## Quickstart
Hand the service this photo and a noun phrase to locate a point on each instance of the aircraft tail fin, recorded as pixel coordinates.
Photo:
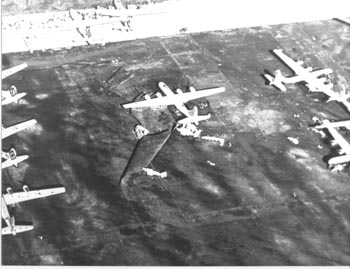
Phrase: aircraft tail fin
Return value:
(12, 153)
(277, 80)
(13, 90)
(194, 119)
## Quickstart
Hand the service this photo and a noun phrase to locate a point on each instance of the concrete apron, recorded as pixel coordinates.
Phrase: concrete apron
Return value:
(172, 17)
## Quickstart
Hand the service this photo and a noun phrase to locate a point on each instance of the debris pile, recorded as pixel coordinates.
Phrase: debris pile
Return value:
(151, 172)
(221, 141)
(140, 131)
(210, 163)
(293, 140)
(189, 129)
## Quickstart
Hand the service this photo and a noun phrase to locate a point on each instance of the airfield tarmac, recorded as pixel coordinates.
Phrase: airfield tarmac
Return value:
(265, 202)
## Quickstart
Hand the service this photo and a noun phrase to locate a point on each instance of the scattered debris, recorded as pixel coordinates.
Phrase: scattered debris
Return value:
(319, 146)
(140, 131)
(229, 145)
(296, 115)
(151, 172)
(210, 163)
(316, 119)
(221, 141)
(254, 211)
(319, 189)
(294, 140)
(189, 129)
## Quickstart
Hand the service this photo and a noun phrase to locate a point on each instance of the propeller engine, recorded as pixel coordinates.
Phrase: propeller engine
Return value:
(25, 188)
(147, 97)
(179, 91)
(192, 89)
(309, 68)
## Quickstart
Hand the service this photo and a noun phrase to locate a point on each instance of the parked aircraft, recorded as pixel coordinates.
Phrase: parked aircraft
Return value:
(337, 163)
(11, 198)
(178, 99)
(11, 96)
(339, 97)
(7, 131)
(315, 80)
(8, 72)
(11, 158)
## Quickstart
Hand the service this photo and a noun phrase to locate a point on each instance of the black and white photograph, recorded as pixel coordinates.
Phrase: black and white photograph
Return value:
(175, 133)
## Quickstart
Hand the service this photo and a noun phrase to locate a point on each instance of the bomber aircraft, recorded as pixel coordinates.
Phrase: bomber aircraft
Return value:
(11, 198)
(315, 80)
(177, 99)
(337, 163)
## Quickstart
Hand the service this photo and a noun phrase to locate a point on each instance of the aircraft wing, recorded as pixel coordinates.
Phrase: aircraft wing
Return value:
(203, 93)
(176, 99)
(16, 229)
(155, 102)
(334, 124)
(311, 77)
(8, 72)
(317, 85)
(16, 128)
(18, 197)
(295, 66)
(343, 144)
(320, 72)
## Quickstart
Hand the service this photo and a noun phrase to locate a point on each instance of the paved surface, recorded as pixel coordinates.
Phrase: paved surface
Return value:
(241, 211)
(49, 24)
